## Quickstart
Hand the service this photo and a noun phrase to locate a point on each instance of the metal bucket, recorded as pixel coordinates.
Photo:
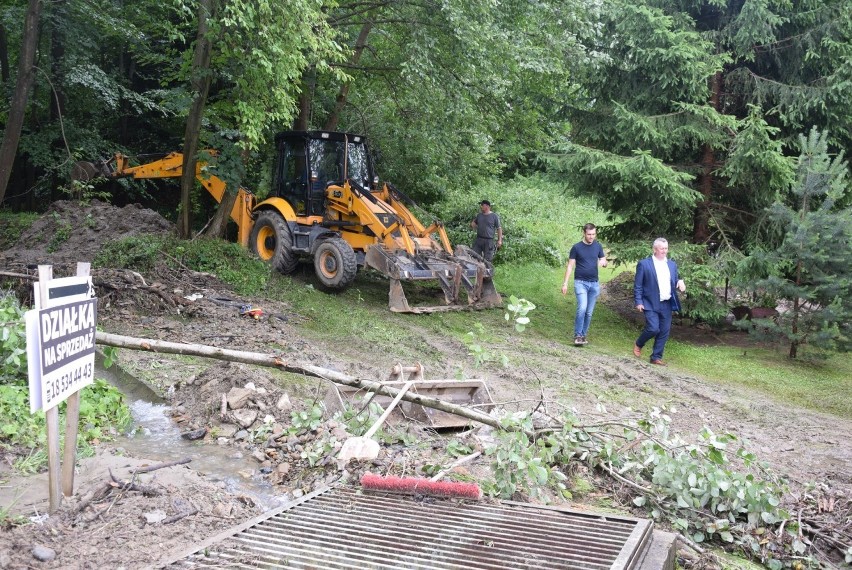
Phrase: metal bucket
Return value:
(468, 393)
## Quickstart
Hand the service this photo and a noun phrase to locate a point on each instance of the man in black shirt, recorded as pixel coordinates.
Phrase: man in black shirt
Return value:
(488, 227)
(586, 256)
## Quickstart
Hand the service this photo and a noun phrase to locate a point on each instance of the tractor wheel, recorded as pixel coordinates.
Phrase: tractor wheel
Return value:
(335, 263)
(270, 239)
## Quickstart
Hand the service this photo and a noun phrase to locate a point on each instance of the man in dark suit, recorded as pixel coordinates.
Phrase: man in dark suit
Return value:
(655, 294)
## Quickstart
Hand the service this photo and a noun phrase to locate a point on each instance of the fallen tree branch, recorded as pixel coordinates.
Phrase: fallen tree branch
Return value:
(131, 486)
(163, 465)
(627, 482)
(19, 275)
(177, 517)
(272, 361)
(459, 461)
(94, 495)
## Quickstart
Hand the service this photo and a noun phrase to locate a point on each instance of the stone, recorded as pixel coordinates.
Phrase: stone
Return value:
(43, 553)
(225, 430)
(194, 434)
(284, 403)
(245, 417)
(282, 469)
(156, 516)
(259, 456)
(238, 397)
(240, 435)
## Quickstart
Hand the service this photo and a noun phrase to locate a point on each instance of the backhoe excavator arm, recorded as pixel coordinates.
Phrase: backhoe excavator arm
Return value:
(171, 166)
(412, 223)
(371, 213)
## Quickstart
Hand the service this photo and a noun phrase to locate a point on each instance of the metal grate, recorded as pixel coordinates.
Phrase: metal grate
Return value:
(346, 529)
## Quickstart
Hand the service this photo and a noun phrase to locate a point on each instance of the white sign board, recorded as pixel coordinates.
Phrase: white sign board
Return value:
(63, 333)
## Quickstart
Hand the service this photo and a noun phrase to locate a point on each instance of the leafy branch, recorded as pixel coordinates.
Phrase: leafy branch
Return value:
(710, 490)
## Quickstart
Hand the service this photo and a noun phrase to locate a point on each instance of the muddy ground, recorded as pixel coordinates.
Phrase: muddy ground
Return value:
(112, 522)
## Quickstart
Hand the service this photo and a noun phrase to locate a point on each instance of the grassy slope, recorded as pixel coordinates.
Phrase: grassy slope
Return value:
(545, 219)
(823, 385)
(810, 382)
(814, 384)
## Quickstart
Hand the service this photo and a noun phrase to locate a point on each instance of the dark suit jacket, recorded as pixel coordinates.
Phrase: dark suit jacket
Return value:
(646, 290)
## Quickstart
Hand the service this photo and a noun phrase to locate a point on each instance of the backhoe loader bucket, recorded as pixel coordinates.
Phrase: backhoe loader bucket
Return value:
(464, 271)
(467, 393)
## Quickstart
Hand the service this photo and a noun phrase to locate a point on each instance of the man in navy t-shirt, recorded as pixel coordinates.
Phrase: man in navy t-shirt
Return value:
(586, 256)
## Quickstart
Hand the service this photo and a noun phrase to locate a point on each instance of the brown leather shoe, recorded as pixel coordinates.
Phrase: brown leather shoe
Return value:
(637, 352)
(658, 362)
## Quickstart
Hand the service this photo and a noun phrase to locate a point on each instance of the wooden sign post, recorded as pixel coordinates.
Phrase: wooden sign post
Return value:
(63, 329)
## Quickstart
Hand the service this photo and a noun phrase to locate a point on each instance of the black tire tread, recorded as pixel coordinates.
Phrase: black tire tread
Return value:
(284, 260)
(346, 259)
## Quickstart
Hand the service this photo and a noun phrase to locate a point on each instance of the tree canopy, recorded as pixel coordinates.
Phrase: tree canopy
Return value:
(680, 118)
(692, 110)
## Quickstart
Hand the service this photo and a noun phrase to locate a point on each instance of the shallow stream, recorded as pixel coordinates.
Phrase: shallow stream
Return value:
(153, 435)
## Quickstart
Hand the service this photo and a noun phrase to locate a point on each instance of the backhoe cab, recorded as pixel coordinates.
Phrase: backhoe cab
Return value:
(326, 204)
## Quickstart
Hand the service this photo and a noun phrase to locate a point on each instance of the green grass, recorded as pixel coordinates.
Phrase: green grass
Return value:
(360, 312)
(12, 225)
(812, 383)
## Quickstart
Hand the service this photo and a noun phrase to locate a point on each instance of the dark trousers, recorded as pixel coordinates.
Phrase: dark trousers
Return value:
(485, 247)
(658, 324)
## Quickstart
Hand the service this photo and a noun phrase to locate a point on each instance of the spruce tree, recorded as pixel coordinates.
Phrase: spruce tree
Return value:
(810, 267)
(693, 109)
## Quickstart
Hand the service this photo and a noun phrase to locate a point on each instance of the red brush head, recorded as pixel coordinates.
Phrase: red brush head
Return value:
(419, 486)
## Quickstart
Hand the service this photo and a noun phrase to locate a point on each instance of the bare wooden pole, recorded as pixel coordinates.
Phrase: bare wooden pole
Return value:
(273, 361)
(45, 274)
(72, 421)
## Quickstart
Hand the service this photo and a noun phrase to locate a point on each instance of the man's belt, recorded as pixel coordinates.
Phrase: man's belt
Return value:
(483, 237)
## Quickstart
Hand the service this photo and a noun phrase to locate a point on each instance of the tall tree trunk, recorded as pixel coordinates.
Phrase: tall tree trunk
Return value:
(701, 227)
(303, 119)
(18, 106)
(219, 223)
(340, 103)
(4, 54)
(200, 82)
(797, 304)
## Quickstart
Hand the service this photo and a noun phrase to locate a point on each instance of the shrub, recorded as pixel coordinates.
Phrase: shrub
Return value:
(13, 341)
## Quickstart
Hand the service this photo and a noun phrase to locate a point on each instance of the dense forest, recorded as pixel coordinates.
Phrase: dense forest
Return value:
(721, 122)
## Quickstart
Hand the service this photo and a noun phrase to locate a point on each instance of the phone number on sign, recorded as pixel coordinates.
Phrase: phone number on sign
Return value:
(57, 387)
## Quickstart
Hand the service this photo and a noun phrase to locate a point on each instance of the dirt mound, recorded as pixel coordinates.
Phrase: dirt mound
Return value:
(71, 231)
(127, 513)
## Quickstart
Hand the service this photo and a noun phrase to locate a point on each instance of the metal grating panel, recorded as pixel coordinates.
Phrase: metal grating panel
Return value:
(346, 529)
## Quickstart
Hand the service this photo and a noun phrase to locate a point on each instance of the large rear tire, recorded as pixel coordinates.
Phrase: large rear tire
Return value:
(335, 263)
(270, 239)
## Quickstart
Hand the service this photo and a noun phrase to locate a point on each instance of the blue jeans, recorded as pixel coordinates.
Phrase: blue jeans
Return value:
(587, 294)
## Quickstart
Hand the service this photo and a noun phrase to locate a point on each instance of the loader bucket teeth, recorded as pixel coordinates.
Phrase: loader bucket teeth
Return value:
(396, 298)
(454, 273)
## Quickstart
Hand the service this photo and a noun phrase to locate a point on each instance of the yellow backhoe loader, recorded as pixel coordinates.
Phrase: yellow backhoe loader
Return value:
(326, 204)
